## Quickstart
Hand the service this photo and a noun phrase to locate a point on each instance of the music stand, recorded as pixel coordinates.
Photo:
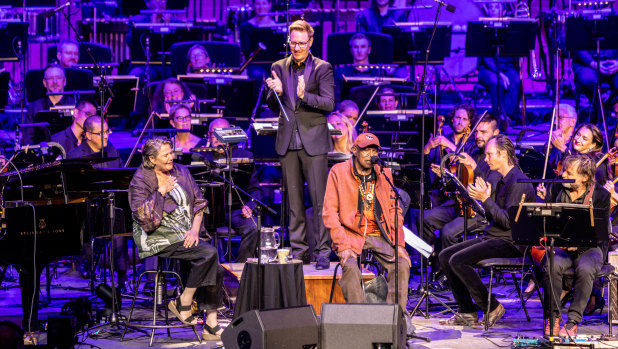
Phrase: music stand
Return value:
(594, 34)
(561, 224)
(413, 39)
(500, 38)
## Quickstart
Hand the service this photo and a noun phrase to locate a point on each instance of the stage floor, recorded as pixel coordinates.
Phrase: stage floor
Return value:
(514, 323)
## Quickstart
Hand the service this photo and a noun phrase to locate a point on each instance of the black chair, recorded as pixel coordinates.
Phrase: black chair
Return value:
(160, 277)
(77, 79)
(221, 54)
(338, 48)
(512, 266)
(101, 53)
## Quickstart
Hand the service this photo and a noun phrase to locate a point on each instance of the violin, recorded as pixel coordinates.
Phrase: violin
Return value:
(465, 174)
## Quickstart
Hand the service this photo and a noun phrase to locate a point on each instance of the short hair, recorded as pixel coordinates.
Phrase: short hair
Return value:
(214, 122)
(467, 107)
(359, 36)
(177, 107)
(586, 166)
(597, 136)
(90, 122)
(345, 105)
(301, 26)
(83, 101)
(504, 143)
(196, 47)
(489, 118)
(159, 97)
(52, 66)
(570, 110)
(151, 148)
(64, 42)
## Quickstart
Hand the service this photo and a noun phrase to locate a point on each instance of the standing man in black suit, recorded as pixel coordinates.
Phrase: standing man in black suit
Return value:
(306, 88)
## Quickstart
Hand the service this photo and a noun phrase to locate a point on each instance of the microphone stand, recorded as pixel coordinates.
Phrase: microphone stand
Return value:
(260, 205)
(103, 84)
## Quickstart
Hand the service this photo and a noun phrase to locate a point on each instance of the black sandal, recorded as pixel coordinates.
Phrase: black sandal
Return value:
(210, 333)
(175, 306)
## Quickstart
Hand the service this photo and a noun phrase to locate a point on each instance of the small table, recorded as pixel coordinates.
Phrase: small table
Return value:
(283, 285)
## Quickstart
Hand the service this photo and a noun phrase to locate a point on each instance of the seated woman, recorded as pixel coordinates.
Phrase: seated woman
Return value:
(170, 90)
(342, 143)
(588, 139)
(180, 118)
(197, 59)
(167, 207)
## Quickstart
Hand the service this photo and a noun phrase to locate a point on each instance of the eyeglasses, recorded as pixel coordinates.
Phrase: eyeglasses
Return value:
(107, 132)
(302, 45)
(197, 55)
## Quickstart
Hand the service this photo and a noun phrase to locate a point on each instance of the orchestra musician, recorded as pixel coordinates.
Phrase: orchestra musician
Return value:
(92, 143)
(160, 186)
(305, 86)
(180, 118)
(586, 261)
(349, 109)
(388, 99)
(587, 139)
(565, 126)
(360, 48)
(72, 136)
(197, 59)
(446, 218)
(460, 119)
(342, 143)
(170, 90)
(378, 15)
(585, 69)
(509, 81)
(54, 80)
(67, 53)
(496, 195)
(359, 212)
(243, 209)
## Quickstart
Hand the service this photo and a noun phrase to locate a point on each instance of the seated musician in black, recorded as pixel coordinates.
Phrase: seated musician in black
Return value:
(378, 15)
(586, 261)
(244, 221)
(180, 118)
(197, 59)
(170, 90)
(360, 48)
(447, 218)
(566, 119)
(67, 53)
(458, 262)
(501, 77)
(92, 143)
(54, 80)
(71, 137)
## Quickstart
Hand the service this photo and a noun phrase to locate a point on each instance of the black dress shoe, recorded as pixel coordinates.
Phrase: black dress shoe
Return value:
(322, 263)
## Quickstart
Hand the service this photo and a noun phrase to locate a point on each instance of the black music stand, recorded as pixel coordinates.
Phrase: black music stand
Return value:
(413, 39)
(561, 224)
(593, 34)
(500, 38)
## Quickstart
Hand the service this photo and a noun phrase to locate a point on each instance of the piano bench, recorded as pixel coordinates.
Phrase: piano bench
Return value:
(158, 300)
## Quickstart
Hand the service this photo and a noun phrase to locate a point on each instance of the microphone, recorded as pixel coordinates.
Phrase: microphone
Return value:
(449, 8)
(52, 12)
(377, 160)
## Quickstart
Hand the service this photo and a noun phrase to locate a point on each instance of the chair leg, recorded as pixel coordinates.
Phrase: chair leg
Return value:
(154, 307)
(164, 288)
(491, 276)
(132, 305)
(521, 297)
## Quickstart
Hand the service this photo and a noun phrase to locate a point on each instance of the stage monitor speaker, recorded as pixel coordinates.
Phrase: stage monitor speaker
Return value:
(362, 326)
(293, 328)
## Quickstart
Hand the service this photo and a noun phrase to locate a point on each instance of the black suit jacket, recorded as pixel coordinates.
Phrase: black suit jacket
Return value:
(309, 113)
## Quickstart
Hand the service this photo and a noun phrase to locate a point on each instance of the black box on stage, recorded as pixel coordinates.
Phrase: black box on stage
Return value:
(294, 328)
(362, 326)
(61, 331)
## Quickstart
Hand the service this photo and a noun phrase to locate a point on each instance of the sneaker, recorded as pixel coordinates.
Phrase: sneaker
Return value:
(569, 330)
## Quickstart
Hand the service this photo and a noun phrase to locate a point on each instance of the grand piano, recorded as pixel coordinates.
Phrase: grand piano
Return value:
(47, 214)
